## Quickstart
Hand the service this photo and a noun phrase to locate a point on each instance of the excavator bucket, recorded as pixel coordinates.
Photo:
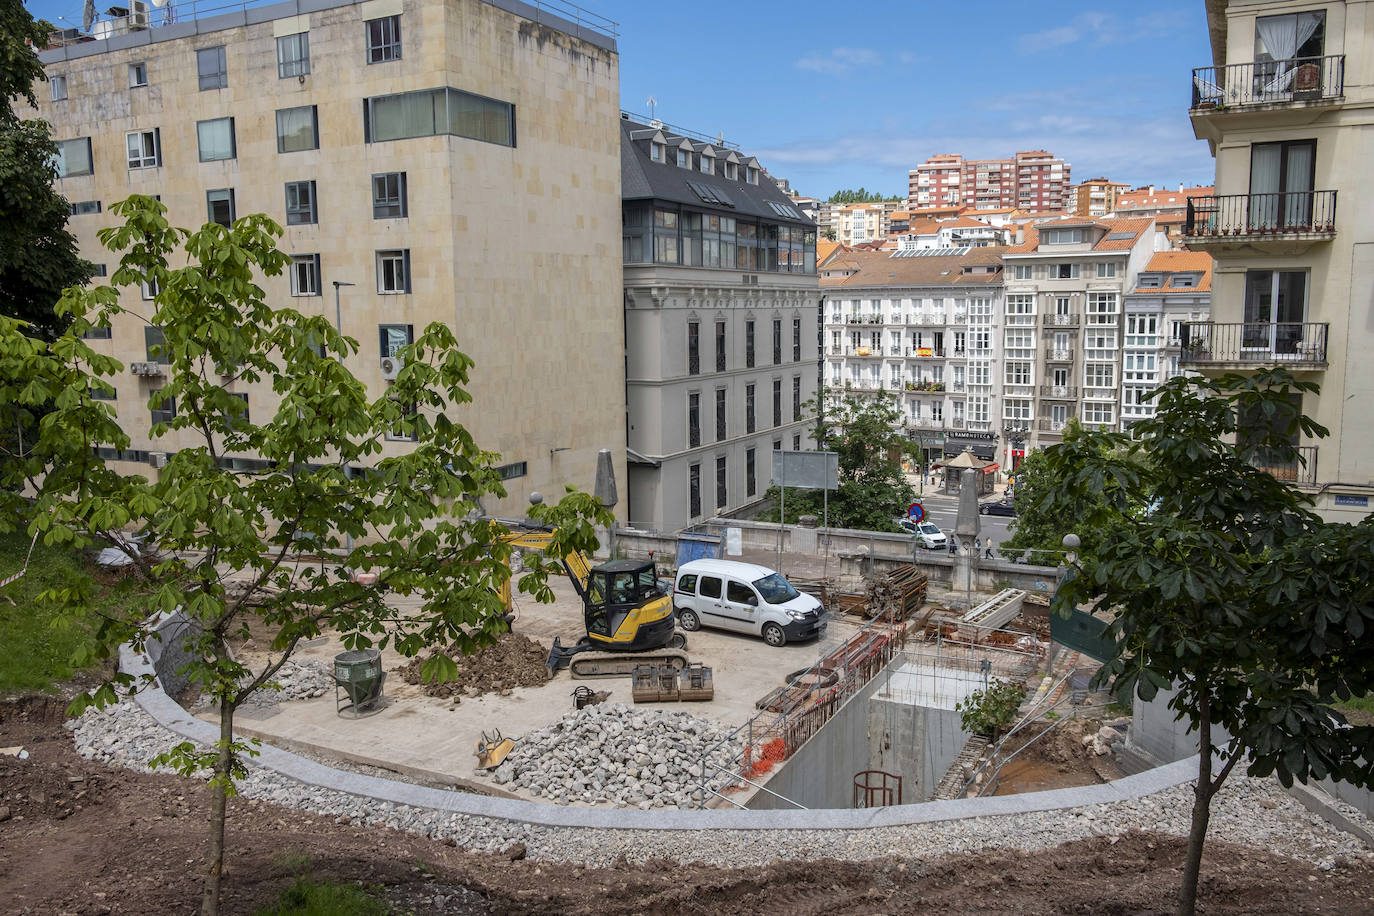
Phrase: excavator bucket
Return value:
(493, 749)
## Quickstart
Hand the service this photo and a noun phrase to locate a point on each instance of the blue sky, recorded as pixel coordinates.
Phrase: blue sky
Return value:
(836, 95)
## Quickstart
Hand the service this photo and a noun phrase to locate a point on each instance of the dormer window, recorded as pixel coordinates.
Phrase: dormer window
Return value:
(751, 175)
(684, 159)
(1150, 281)
(656, 152)
(1183, 281)
(1063, 236)
(731, 171)
(708, 164)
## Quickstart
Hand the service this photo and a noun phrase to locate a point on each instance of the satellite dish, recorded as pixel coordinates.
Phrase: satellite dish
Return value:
(159, 3)
(103, 29)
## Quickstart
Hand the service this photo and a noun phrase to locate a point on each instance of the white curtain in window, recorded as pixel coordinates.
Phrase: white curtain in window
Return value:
(1281, 37)
(296, 129)
(1297, 203)
(216, 139)
(1265, 162)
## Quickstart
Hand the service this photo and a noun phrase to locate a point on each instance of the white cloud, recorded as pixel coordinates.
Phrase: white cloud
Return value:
(1095, 27)
(841, 61)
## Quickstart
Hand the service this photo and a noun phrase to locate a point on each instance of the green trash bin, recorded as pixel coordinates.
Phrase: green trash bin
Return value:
(358, 680)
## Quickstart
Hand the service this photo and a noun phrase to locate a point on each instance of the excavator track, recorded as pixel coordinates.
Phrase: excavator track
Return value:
(623, 664)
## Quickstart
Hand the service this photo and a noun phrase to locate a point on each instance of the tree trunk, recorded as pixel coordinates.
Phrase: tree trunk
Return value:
(1202, 809)
(219, 799)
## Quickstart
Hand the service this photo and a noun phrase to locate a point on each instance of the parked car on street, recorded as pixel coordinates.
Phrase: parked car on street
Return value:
(927, 533)
(999, 507)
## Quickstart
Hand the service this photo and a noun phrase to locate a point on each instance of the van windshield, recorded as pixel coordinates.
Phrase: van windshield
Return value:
(775, 589)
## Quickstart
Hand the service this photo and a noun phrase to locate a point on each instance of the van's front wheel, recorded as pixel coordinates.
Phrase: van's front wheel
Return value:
(773, 635)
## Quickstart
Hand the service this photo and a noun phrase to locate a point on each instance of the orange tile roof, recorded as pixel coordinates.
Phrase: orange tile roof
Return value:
(879, 268)
(1144, 197)
(824, 249)
(1179, 261)
(1113, 226)
(965, 222)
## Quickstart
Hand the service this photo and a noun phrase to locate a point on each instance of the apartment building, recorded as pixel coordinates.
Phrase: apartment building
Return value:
(1175, 288)
(1062, 336)
(430, 160)
(721, 305)
(1032, 180)
(919, 324)
(1096, 197)
(1289, 124)
(854, 224)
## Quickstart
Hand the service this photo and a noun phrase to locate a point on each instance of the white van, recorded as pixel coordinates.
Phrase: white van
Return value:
(744, 598)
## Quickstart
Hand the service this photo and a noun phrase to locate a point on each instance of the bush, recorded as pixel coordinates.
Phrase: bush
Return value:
(988, 712)
(311, 898)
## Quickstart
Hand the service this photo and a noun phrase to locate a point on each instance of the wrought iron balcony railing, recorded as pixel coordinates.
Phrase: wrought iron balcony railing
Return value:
(1301, 469)
(1059, 392)
(1062, 321)
(1274, 82)
(1274, 215)
(1256, 344)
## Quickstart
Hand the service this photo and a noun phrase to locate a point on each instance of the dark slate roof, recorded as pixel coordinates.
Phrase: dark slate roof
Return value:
(643, 179)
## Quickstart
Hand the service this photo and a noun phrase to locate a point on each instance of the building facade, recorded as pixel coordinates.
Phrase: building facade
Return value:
(1175, 288)
(721, 306)
(1287, 107)
(1096, 197)
(920, 325)
(1032, 180)
(430, 160)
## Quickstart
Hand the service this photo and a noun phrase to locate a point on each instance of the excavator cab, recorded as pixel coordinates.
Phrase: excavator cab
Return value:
(621, 607)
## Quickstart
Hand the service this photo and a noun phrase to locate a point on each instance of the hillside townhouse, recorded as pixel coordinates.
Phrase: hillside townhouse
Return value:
(921, 325)
(1287, 107)
(430, 160)
(721, 305)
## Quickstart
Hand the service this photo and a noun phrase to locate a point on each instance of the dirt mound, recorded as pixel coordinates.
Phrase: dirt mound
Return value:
(512, 661)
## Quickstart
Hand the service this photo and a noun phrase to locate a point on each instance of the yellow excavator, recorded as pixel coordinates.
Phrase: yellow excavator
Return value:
(628, 617)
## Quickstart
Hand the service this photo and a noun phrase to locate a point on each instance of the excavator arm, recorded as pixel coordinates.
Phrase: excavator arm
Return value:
(577, 565)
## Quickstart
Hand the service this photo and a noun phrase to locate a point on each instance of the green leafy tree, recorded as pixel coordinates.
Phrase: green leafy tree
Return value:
(1230, 590)
(991, 710)
(414, 517)
(861, 196)
(38, 256)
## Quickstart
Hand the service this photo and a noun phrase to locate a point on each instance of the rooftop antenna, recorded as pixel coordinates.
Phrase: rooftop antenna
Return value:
(652, 103)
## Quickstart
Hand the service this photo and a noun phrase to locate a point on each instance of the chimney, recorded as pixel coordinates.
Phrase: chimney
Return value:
(1180, 187)
(1152, 190)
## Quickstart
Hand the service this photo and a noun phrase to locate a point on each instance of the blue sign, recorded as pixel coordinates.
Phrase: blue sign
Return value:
(1344, 500)
(916, 512)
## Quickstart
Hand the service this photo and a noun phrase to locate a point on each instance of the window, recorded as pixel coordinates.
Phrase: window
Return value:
(796, 340)
(154, 346)
(1105, 270)
(1280, 39)
(1099, 375)
(162, 409)
(404, 430)
(236, 416)
(684, 159)
(149, 289)
(796, 442)
(211, 66)
(1281, 183)
(656, 151)
(98, 270)
(796, 398)
(1016, 409)
(693, 348)
(1183, 281)
(1018, 373)
(84, 207)
(693, 510)
(1102, 308)
(666, 250)
(513, 470)
(720, 346)
(431, 112)
(1062, 236)
(393, 337)
(1275, 309)
(720, 415)
(721, 489)
(293, 55)
(219, 206)
(393, 271)
(1150, 281)
(58, 85)
(708, 164)
(384, 39)
(1098, 413)
(749, 418)
(74, 157)
(297, 129)
(749, 344)
(101, 394)
(750, 472)
(1063, 271)
(97, 333)
(751, 175)
(389, 195)
(1023, 271)
(777, 341)
(732, 173)
(693, 419)
(216, 139)
(144, 147)
(138, 75)
(305, 275)
(300, 203)
(777, 402)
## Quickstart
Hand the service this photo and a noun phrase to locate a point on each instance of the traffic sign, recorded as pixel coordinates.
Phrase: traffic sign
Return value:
(916, 512)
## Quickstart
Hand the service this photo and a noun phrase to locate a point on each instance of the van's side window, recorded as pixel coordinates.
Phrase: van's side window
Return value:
(709, 587)
(740, 593)
(688, 584)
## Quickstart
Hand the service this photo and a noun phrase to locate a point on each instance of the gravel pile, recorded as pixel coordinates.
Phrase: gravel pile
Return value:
(299, 681)
(1255, 812)
(617, 754)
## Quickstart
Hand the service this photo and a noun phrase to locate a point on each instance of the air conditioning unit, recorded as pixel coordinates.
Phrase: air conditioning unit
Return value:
(150, 368)
(157, 459)
(138, 14)
(391, 366)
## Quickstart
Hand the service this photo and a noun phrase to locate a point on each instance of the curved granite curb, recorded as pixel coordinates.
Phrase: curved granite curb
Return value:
(171, 716)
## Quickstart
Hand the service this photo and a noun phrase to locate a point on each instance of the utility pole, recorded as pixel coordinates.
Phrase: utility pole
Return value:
(338, 327)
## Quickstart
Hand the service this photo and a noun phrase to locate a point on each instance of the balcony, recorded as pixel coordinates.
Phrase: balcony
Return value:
(1051, 425)
(1059, 392)
(1053, 355)
(926, 352)
(1063, 321)
(1301, 82)
(956, 423)
(1291, 345)
(1281, 222)
(1300, 470)
(1100, 394)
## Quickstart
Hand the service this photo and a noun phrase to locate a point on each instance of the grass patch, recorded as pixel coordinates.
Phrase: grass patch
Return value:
(308, 897)
(1357, 710)
(39, 642)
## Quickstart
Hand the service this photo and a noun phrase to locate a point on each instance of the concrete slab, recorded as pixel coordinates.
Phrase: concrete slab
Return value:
(432, 739)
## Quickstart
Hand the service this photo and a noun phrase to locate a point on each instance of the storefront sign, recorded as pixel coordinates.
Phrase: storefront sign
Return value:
(982, 437)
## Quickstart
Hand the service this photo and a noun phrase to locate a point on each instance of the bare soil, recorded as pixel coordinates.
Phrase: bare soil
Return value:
(81, 838)
(1056, 759)
(512, 661)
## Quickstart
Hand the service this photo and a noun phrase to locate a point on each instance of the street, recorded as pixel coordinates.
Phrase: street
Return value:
(943, 511)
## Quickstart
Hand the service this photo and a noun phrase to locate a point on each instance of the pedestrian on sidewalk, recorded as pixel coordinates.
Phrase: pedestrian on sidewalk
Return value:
(987, 546)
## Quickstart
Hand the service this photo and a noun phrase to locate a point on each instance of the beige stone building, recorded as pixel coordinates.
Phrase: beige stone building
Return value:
(430, 160)
(1287, 107)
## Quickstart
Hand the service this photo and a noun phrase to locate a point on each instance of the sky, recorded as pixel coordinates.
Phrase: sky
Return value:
(847, 95)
